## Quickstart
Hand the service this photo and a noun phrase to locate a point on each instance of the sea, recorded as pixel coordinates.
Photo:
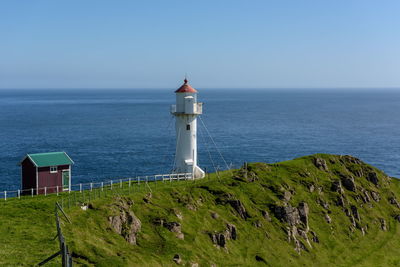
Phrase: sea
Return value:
(115, 133)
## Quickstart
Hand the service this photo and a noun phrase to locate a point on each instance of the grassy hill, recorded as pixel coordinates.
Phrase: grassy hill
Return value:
(319, 210)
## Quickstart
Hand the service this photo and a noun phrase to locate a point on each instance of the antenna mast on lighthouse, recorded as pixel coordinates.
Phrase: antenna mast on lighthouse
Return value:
(186, 111)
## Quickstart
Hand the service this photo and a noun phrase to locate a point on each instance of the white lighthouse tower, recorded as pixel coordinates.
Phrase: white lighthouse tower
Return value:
(186, 111)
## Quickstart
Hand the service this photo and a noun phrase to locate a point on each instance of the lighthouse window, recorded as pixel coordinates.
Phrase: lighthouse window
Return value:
(188, 127)
(53, 169)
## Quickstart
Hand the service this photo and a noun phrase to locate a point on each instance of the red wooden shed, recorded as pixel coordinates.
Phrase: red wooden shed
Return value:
(46, 173)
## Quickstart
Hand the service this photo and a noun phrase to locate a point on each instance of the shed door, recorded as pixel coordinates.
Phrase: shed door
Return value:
(65, 179)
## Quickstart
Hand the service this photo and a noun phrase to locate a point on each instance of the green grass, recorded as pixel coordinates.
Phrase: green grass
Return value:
(27, 226)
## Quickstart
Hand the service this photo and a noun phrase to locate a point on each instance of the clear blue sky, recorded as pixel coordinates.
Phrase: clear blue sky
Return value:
(152, 44)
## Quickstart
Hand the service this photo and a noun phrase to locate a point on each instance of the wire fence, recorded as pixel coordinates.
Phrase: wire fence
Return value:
(109, 184)
(66, 258)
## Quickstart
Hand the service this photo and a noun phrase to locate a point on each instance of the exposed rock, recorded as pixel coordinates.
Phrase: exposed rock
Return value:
(375, 196)
(353, 221)
(180, 236)
(350, 159)
(218, 239)
(397, 217)
(311, 188)
(127, 225)
(286, 196)
(231, 232)
(383, 224)
(328, 219)
(337, 187)
(252, 177)
(373, 177)
(365, 197)
(357, 172)
(299, 246)
(288, 214)
(173, 226)
(314, 237)
(320, 190)
(260, 259)
(177, 259)
(324, 204)
(303, 213)
(362, 231)
(341, 201)
(347, 212)
(178, 214)
(321, 164)
(348, 182)
(239, 208)
(394, 201)
(266, 216)
(257, 224)
(214, 215)
(355, 213)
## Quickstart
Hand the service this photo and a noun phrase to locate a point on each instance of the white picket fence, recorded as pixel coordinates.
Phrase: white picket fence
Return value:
(109, 184)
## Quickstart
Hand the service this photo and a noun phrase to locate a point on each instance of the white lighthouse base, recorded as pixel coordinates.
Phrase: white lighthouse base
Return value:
(198, 173)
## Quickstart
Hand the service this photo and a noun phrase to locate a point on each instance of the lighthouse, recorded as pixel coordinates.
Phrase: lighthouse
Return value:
(186, 111)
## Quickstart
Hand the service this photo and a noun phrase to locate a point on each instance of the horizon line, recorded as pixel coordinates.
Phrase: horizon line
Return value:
(200, 88)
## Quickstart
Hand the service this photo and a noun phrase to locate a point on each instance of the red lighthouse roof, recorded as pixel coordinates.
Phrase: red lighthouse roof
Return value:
(186, 88)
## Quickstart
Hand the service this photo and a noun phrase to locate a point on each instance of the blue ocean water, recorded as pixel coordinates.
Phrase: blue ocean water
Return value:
(123, 133)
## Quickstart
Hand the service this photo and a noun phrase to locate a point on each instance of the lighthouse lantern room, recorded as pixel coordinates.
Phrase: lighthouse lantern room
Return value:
(186, 111)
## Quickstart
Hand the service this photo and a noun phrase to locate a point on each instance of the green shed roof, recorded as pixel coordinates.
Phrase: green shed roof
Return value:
(50, 159)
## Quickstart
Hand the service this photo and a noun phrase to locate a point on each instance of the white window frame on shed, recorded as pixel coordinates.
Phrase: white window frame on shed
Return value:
(53, 169)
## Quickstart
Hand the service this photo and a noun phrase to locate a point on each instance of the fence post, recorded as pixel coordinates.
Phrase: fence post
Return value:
(80, 188)
(19, 194)
(138, 180)
(32, 191)
(102, 185)
(5, 195)
(45, 191)
(91, 187)
(120, 183)
(111, 183)
(57, 190)
(129, 182)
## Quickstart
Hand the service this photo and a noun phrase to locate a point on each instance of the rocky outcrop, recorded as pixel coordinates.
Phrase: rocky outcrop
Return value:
(220, 238)
(238, 206)
(365, 196)
(355, 213)
(214, 215)
(286, 196)
(126, 223)
(337, 187)
(383, 224)
(373, 178)
(394, 202)
(328, 218)
(303, 212)
(231, 232)
(375, 196)
(288, 214)
(320, 164)
(177, 259)
(266, 216)
(348, 182)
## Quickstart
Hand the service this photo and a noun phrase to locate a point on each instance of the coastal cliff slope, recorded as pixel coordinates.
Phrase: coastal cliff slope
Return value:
(318, 210)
